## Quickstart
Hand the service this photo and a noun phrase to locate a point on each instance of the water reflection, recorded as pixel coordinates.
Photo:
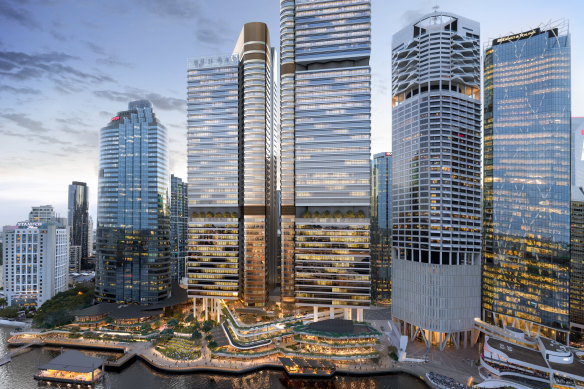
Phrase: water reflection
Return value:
(18, 374)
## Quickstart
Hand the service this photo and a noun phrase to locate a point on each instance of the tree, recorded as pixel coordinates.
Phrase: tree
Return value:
(360, 214)
(349, 214)
(196, 335)
(207, 325)
(172, 323)
(326, 214)
(306, 214)
(3, 302)
(145, 328)
(338, 214)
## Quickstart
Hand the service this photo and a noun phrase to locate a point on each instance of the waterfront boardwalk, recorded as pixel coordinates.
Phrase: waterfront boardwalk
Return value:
(454, 363)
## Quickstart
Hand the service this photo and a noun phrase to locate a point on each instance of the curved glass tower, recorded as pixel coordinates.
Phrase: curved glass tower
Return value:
(526, 263)
(436, 192)
(232, 172)
(133, 216)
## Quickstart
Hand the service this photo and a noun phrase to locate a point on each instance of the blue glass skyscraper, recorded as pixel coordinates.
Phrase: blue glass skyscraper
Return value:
(133, 221)
(526, 229)
(381, 227)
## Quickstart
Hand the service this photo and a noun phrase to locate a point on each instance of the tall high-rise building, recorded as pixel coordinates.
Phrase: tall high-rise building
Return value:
(42, 214)
(577, 232)
(36, 262)
(526, 230)
(77, 217)
(436, 195)
(381, 228)
(325, 118)
(90, 237)
(133, 215)
(179, 214)
(232, 172)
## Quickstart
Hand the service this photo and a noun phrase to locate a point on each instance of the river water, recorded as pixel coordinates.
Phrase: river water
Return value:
(19, 373)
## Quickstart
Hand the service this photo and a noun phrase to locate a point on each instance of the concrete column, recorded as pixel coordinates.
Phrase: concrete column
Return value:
(205, 308)
(315, 310)
(195, 308)
(332, 313)
(350, 313)
(218, 310)
(347, 314)
(359, 314)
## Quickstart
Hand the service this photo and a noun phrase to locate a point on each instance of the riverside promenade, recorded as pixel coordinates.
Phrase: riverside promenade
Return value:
(206, 363)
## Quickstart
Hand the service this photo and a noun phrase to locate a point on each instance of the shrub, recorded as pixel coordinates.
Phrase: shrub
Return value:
(9, 312)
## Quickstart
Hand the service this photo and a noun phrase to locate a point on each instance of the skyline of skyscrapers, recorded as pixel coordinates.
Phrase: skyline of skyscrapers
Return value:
(436, 192)
(232, 172)
(325, 150)
(133, 215)
(526, 233)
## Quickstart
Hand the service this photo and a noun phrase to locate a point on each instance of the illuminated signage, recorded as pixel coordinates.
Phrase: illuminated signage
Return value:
(516, 37)
(388, 154)
(115, 118)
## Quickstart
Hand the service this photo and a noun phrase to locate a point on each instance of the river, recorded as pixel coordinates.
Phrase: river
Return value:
(19, 373)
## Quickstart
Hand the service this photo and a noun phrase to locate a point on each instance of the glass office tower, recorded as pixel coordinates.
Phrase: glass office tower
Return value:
(436, 192)
(133, 216)
(178, 227)
(325, 126)
(577, 234)
(232, 172)
(78, 217)
(526, 227)
(381, 228)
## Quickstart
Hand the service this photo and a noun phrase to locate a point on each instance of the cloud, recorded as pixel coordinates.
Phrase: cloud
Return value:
(164, 103)
(20, 16)
(25, 122)
(22, 66)
(95, 48)
(35, 138)
(208, 31)
(212, 32)
(113, 60)
(411, 15)
(179, 9)
(19, 91)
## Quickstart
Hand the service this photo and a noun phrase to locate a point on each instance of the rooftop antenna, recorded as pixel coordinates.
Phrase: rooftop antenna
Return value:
(436, 6)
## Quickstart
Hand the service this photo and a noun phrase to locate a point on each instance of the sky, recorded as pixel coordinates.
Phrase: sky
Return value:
(67, 67)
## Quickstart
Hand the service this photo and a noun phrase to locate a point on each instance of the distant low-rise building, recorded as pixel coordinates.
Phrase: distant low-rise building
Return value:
(36, 261)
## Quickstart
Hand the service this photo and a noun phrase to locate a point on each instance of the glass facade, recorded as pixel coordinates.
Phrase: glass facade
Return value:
(436, 188)
(232, 167)
(325, 149)
(178, 227)
(577, 233)
(78, 217)
(381, 228)
(526, 229)
(133, 226)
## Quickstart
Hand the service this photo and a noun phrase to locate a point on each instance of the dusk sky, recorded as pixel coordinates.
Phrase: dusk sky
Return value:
(67, 66)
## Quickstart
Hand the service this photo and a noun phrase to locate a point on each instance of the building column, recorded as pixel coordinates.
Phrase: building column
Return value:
(205, 308)
(359, 314)
(332, 313)
(218, 311)
(195, 308)
(347, 314)
(315, 315)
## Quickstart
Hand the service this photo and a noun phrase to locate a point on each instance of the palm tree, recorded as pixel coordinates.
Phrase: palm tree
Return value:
(3, 302)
